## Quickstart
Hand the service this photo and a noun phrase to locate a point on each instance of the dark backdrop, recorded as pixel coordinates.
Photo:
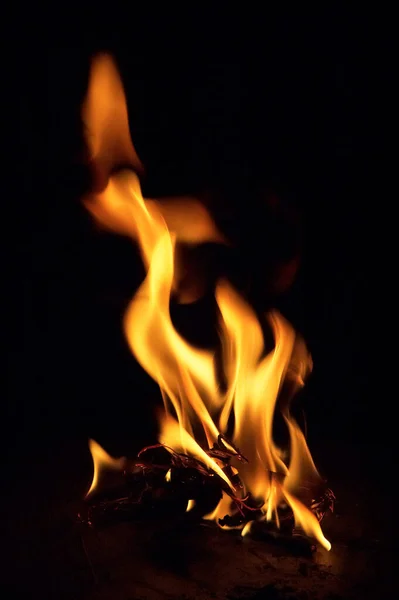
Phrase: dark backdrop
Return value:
(217, 103)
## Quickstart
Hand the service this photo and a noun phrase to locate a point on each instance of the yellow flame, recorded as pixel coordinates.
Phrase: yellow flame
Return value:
(247, 528)
(305, 519)
(190, 505)
(102, 462)
(174, 435)
(196, 408)
(223, 508)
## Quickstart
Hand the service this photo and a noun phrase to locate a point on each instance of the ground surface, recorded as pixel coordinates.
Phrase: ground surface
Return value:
(171, 559)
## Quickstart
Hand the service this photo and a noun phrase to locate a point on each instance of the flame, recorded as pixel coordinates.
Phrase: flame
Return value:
(247, 528)
(258, 380)
(102, 462)
(223, 508)
(121, 208)
(105, 116)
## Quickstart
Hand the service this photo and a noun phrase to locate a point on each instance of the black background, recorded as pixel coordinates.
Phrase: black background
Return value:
(220, 102)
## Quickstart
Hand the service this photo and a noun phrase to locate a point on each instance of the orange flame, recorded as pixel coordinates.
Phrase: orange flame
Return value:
(106, 121)
(196, 409)
(102, 462)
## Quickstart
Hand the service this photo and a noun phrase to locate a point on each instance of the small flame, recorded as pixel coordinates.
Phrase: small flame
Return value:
(247, 528)
(102, 462)
(224, 507)
(307, 520)
(190, 505)
(106, 121)
(196, 409)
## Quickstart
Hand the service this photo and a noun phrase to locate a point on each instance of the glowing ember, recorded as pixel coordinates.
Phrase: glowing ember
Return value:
(196, 407)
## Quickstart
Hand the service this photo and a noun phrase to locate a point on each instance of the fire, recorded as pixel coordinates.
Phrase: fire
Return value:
(106, 120)
(258, 381)
(102, 462)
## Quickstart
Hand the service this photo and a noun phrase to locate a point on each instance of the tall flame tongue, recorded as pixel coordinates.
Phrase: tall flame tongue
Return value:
(193, 398)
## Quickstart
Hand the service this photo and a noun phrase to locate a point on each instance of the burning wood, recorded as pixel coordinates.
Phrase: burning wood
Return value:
(194, 456)
(160, 478)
